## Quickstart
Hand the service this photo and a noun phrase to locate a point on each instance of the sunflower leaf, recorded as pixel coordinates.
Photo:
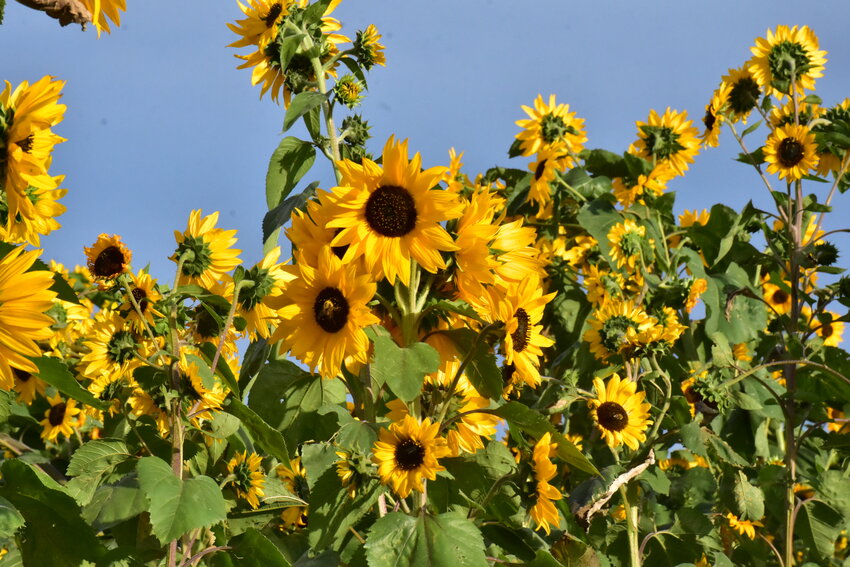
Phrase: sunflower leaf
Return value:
(482, 369)
(250, 549)
(55, 373)
(403, 369)
(303, 103)
(819, 525)
(264, 434)
(280, 215)
(292, 159)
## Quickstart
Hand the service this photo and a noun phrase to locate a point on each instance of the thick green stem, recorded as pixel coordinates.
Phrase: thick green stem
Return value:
(631, 528)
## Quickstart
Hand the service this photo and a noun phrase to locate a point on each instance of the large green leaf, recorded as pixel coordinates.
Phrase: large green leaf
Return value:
(264, 434)
(55, 373)
(403, 369)
(819, 525)
(113, 504)
(332, 511)
(250, 549)
(292, 159)
(482, 369)
(178, 506)
(536, 424)
(280, 215)
(54, 534)
(91, 462)
(447, 540)
(10, 519)
(303, 103)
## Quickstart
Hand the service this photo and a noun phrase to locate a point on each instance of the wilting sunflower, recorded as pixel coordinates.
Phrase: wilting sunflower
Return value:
(323, 323)
(616, 328)
(61, 417)
(627, 239)
(789, 54)
(294, 478)
(543, 512)
(26, 141)
(791, 151)
(743, 527)
(407, 452)
(104, 11)
(367, 48)
(204, 252)
(108, 258)
(670, 138)
(390, 214)
(551, 126)
(249, 477)
(619, 412)
(744, 92)
(25, 296)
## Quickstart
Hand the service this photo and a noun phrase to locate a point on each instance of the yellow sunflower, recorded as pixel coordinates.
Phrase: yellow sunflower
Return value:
(114, 350)
(204, 252)
(551, 126)
(407, 453)
(601, 285)
(616, 327)
(670, 138)
(543, 512)
(104, 11)
(108, 258)
(743, 527)
(786, 114)
(744, 92)
(690, 218)
(368, 49)
(695, 290)
(789, 57)
(714, 115)
(143, 288)
(620, 412)
(390, 214)
(630, 191)
(141, 403)
(323, 323)
(791, 151)
(548, 162)
(44, 210)
(249, 477)
(61, 417)
(351, 469)
(830, 158)
(28, 386)
(26, 142)
(777, 297)
(269, 280)
(829, 328)
(25, 296)
(626, 239)
(294, 478)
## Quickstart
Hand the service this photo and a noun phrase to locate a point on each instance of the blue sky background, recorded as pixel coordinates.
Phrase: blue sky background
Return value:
(160, 121)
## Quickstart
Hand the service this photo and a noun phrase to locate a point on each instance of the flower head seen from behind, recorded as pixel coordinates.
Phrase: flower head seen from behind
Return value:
(669, 138)
(407, 453)
(620, 412)
(249, 478)
(204, 253)
(788, 58)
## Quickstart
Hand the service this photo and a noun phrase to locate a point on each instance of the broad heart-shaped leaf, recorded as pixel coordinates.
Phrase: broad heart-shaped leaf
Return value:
(332, 511)
(90, 463)
(113, 504)
(264, 434)
(6, 400)
(292, 159)
(280, 215)
(250, 549)
(819, 525)
(597, 217)
(10, 519)
(178, 506)
(534, 423)
(447, 540)
(744, 499)
(303, 103)
(482, 369)
(403, 369)
(55, 373)
(54, 534)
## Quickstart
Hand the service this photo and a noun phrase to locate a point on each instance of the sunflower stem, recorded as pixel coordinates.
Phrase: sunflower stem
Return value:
(327, 111)
(631, 527)
(125, 280)
(230, 316)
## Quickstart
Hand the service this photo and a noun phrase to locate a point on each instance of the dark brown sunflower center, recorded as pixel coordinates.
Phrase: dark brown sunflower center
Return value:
(710, 119)
(26, 144)
(826, 330)
(331, 310)
(391, 211)
(141, 298)
(612, 416)
(22, 375)
(508, 373)
(790, 152)
(109, 263)
(541, 167)
(779, 297)
(57, 414)
(409, 455)
(520, 336)
(274, 12)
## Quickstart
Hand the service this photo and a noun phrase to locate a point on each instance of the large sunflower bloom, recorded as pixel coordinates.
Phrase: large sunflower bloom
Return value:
(551, 126)
(619, 412)
(669, 138)
(114, 350)
(294, 478)
(544, 512)
(789, 54)
(45, 207)
(389, 214)
(744, 92)
(407, 453)
(791, 152)
(26, 141)
(269, 280)
(626, 240)
(204, 252)
(249, 479)
(616, 328)
(61, 417)
(25, 296)
(323, 323)
(143, 288)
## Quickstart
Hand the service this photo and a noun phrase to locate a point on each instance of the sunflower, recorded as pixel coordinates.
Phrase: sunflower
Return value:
(114, 350)
(368, 50)
(714, 115)
(28, 386)
(690, 218)
(268, 281)
(249, 477)
(294, 478)
(260, 25)
(790, 55)
(619, 412)
(791, 152)
(827, 326)
(44, 210)
(323, 323)
(582, 249)
(548, 162)
(789, 113)
(26, 141)
(670, 139)
(204, 252)
(390, 214)
(630, 191)
(626, 239)
(59, 418)
(551, 126)
(616, 328)
(602, 285)
(352, 471)
(407, 452)
(697, 287)
(744, 92)
(777, 297)
(141, 403)
(104, 11)
(25, 296)
(143, 288)
(743, 527)
(108, 258)
(543, 512)
(831, 155)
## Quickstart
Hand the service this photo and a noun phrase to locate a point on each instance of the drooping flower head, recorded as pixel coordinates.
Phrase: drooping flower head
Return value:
(620, 412)
(368, 49)
(627, 243)
(390, 213)
(787, 59)
(744, 92)
(407, 453)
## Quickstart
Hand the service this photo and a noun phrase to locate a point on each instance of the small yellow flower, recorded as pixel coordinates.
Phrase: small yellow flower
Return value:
(743, 527)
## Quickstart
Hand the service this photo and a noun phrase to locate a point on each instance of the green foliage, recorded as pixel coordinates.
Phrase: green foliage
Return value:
(403, 369)
(292, 159)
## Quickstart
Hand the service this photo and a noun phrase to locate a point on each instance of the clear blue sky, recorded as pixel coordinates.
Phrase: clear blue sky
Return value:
(160, 121)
